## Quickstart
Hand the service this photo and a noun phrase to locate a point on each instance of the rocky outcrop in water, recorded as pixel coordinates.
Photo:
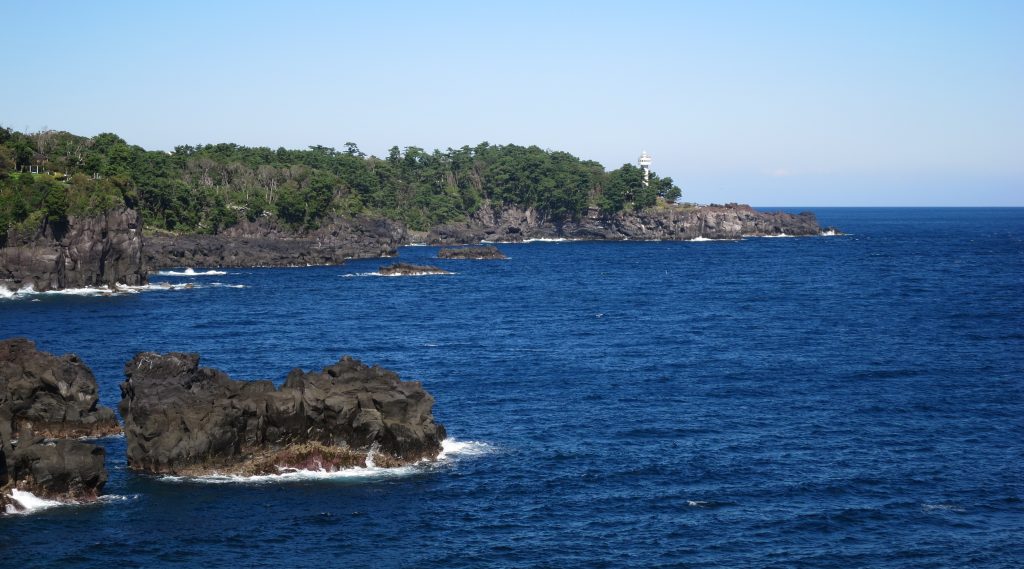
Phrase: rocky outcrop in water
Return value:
(45, 397)
(407, 269)
(102, 250)
(268, 243)
(50, 396)
(487, 252)
(184, 419)
(666, 223)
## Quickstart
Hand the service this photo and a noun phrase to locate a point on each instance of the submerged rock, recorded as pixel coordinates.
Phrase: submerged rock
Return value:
(487, 252)
(44, 397)
(187, 420)
(410, 269)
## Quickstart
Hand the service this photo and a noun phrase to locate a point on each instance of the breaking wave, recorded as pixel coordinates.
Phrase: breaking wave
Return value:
(377, 274)
(190, 273)
(118, 290)
(28, 503)
(451, 451)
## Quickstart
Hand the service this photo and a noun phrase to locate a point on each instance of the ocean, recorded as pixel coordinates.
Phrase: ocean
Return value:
(846, 401)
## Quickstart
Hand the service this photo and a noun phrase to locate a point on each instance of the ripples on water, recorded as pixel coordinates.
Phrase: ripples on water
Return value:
(808, 402)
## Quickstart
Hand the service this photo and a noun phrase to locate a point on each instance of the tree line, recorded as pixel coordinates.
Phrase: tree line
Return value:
(206, 188)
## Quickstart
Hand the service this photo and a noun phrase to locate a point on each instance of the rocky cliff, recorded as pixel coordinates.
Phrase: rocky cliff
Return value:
(268, 243)
(45, 397)
(102, 250)
(184, 419)
(668, 223)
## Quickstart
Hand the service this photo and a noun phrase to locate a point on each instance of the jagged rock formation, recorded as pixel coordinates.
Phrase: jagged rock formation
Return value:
(268, 243)
(102, 250)
(671, 223)
(45, 397)
(53, 397)
(184, 419)
(399, 269)
(486, 252)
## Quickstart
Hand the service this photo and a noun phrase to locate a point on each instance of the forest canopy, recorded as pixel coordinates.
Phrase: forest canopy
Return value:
(206, 188)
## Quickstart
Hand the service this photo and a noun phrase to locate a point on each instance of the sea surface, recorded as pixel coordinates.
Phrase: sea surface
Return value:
(848, 401)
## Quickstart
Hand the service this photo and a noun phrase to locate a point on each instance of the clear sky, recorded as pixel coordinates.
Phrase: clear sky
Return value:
(770, 103)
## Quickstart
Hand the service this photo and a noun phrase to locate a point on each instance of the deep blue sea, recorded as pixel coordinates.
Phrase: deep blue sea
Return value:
(849, 401)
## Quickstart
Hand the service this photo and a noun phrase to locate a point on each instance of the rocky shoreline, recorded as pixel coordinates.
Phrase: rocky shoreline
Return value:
(186, 420)
(509, 224)
(98, 251)
(110, 250)
(266, 243)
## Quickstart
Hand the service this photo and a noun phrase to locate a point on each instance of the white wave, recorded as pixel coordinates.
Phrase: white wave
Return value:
(225, 285)
(547, 240)
(190, 272)
(28, 503)
(416, 245)
(696, 503)
(117, 290)
(451, 449)
(702, 238)
(831, 233)
(377, 274)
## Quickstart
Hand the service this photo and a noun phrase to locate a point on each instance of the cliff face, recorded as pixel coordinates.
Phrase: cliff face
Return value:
(101, 250)
(512, 224)
(266, 243)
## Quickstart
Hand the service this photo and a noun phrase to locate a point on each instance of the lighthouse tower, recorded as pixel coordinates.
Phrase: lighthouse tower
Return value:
(645, 165)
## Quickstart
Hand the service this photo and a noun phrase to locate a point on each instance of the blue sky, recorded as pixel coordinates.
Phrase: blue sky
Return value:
(769, 103)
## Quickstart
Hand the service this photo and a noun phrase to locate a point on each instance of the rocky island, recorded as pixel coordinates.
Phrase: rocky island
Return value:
(479, 253)
(45, 400)
(188, 420)
(408, 269)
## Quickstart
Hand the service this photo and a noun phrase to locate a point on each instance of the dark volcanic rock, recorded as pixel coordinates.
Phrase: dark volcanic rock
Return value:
(267, 243)
(53, 397)
(103, 250)
(67, 471)
(667, 223)
(487, 252)
(43, 397)
(410, 269)
(184, 419)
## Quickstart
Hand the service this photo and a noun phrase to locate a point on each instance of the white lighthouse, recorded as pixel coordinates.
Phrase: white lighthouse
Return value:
(645, 165)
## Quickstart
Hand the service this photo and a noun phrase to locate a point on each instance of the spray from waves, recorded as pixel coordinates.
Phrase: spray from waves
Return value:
(117, 290)
(533, 240)
(190, 272)
(27, 503)
(376, 274)
(702, 238)
(452, 451)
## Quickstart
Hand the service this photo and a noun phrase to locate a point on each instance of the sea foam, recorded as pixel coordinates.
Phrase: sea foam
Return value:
(29, 502)
(451, 451)
(189, 272)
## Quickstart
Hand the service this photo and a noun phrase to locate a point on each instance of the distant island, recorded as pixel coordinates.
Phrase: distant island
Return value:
(96, 211)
